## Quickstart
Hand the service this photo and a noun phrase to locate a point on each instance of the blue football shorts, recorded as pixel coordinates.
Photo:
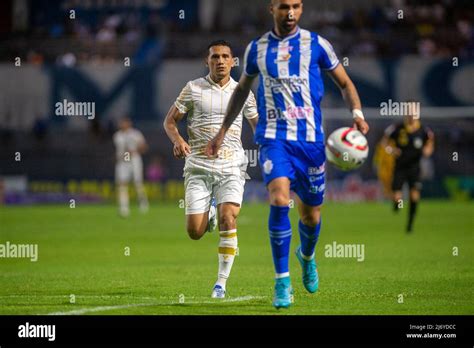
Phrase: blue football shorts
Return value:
(301, 162)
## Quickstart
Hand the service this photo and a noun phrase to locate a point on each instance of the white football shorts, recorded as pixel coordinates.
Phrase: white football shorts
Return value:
(126, 171)
(200, 186)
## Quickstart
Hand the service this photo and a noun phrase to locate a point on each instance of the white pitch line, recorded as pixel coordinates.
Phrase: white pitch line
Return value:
(101, 308)
(119, 296)
(79, 296)
(108, 308)
(244, 298)
(227, 300)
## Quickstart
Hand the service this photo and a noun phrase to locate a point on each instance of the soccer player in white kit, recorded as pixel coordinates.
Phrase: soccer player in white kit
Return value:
(129, 144)
(205, 100)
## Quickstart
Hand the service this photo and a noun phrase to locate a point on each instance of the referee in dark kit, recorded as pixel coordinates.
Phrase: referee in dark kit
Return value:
(408, 141)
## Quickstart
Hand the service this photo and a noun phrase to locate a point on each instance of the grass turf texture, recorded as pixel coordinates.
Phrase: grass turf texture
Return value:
(82, 253)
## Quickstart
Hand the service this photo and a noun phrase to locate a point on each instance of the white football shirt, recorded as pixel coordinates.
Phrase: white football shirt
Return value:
(206, 102)
(128, 141)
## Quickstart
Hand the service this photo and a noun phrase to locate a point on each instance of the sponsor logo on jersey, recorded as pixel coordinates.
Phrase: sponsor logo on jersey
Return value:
(282, 49)
(292, 113)
(316, 178)
(316, 170)
(278, 85)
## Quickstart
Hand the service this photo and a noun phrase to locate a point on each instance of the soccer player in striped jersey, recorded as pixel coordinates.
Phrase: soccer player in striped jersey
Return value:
(289, 61)
(205, 100)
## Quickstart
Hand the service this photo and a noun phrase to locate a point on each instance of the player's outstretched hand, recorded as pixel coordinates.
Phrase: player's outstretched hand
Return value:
(361, 125)
(181, 149)
(214, 145)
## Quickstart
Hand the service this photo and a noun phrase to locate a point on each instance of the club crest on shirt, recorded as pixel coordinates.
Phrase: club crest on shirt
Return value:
(267, 166)
(282, 49)
(283, 54)
(417, 143)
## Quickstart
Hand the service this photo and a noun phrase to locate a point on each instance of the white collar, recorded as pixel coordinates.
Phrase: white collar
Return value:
(289, 37)
(211, 81)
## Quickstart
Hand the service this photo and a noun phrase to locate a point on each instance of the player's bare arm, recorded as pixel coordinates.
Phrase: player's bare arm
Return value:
(142, 147)
(237, 101)
(428, 149)
(350, 95)
(180, 147)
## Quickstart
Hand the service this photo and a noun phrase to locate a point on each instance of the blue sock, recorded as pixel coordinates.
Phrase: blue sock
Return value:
(280, 238)
(309, 237)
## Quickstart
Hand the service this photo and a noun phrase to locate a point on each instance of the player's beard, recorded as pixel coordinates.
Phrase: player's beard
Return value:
(288, 26)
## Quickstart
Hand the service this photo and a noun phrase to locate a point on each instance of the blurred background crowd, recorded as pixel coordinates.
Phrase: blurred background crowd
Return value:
(103, 31)
(78, 50)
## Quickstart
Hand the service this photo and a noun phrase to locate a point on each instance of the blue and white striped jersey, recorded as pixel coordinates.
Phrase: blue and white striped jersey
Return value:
(291, 85)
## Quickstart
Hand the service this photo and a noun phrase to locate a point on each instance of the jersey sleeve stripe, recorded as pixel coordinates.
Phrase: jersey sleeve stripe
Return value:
(328, 51)
(249, 59)
(249, 117)
(182, 109)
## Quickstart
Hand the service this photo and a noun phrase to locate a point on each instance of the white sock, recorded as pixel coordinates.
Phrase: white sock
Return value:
(141, 194)
(221, 282)
(307, 258)
(123, 198)
(282, 275)
(227, 252)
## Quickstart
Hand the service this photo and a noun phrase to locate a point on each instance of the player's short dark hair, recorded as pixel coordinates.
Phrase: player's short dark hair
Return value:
(219, 43)
(273, 2)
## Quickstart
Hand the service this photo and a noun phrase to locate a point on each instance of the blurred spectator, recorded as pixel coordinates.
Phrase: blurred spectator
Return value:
(40, 128)
(426, 47)
(68, 60)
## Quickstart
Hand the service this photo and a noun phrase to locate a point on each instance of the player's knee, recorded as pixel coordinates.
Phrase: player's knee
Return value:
(279, 198)
(227, 221)
(414, 195)
(311, 218)
(194, 233)
(279, 192)
(397, 196)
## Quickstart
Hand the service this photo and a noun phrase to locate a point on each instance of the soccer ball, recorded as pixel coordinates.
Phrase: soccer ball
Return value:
(347, 148)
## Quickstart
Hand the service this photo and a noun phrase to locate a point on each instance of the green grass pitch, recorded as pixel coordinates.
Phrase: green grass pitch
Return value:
(82, 253)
